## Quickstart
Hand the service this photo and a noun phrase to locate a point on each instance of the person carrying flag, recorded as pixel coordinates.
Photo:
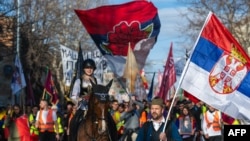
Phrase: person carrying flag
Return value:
(152, 130)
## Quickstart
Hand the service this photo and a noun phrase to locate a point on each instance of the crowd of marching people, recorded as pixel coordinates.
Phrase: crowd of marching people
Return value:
(135, 120)
(43, 122)
(181, 119)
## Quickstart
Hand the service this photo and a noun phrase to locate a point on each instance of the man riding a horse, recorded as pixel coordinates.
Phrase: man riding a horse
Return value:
(81, 94)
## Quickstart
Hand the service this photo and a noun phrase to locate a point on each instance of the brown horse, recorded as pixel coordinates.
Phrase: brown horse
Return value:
(95, 125)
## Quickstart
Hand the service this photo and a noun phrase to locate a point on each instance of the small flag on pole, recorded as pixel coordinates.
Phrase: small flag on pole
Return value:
(18, 80)
(50, 92)
(131, 70)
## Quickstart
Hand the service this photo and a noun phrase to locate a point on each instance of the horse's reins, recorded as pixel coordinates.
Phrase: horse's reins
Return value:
(102, 98)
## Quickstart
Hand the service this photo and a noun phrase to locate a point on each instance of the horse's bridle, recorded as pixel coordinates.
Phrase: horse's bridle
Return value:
(102, 97)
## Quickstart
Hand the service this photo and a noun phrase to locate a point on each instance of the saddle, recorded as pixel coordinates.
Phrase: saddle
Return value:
(75, 122)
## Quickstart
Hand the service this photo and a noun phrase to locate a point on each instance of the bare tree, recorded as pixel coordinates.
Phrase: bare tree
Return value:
(44, 25)
(234, 14)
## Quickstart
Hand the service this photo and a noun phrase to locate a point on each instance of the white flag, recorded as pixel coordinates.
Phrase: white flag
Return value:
(69, 58)
(18, 81)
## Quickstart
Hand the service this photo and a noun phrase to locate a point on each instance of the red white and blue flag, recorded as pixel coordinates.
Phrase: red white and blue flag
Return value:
(18, 80)
(113, 27)
(218, 71)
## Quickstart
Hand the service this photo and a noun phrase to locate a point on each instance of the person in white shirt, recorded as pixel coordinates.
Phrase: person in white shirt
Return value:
(153, 130)
(45, 121)
(82, 85)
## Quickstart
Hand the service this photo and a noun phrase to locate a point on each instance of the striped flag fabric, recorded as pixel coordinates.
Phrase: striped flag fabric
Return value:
(218, 70)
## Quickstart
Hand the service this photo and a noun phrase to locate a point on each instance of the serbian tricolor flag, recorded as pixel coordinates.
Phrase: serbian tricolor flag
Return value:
(113, 27)
(218, 71)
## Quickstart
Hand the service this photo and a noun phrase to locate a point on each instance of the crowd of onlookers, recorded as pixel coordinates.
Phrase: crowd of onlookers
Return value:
(192, 121)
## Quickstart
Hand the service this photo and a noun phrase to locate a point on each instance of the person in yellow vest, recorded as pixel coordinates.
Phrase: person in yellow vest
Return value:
(45, 121)
(120, 124)
(5, 129)
(59, 122)
(2, 115)
(32, 120)
(211, 124)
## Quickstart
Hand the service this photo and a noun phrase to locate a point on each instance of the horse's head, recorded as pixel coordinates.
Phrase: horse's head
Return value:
(99, 105)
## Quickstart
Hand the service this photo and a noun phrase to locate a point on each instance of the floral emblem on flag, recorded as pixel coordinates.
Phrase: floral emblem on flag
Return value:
(228, 72)
(123, 34)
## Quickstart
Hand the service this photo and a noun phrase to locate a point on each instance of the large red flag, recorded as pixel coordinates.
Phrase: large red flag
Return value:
(112, 27)
(50, 92)
(169, 76)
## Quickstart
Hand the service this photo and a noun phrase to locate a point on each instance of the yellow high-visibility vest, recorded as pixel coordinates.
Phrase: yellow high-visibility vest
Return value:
(60, 128)
(236, 122)
(33, 129)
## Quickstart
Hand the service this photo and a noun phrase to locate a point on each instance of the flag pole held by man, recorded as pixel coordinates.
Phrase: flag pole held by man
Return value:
(159, 128)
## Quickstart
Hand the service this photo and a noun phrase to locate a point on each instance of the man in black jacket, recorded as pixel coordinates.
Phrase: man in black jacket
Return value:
(153, 130)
